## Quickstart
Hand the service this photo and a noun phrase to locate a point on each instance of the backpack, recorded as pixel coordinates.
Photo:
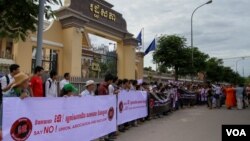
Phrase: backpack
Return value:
(44, 87)
(7, 79)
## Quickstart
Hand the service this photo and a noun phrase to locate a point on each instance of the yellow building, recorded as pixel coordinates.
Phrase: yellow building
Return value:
(66, 39)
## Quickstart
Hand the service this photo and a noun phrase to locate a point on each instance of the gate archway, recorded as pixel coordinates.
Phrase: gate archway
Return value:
(81, 17)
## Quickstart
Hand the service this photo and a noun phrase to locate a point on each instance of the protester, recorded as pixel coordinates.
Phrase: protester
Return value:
(65, 80)
(113, 87)
(217, 95)
(126, 85)
(8, 79)
(51, 85)
(144, 87)
(36, 83)
(119, 85)
(198, 93)
(244, 99)
(113, 90)
(230, 98)
(248, 93)
(90, 89)
(131, 84)
(239, 96)
(209, 97)
(103, 88)
(6, 83)
(68, 90)
(134, 84)
(19, 88)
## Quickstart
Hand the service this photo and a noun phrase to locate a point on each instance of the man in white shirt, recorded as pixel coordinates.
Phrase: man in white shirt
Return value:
(65, 80)
(90, 89)
(113, 88)
(7, 80)
(218, 92)
(51, 86)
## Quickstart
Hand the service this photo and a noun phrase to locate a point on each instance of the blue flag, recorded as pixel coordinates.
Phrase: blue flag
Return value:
(139, 38)
(151, 47)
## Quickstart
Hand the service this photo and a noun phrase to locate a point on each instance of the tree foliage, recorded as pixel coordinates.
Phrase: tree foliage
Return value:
(18, 18)
(170, 52)
(218, 73)
(150, 69)
(247, 80)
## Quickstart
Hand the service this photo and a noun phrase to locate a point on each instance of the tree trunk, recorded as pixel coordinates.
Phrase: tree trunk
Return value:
(176, 72)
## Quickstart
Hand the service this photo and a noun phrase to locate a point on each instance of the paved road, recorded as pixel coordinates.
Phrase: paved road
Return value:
(190, 124)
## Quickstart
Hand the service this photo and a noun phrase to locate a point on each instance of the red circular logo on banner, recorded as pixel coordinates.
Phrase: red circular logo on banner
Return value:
(21, 129)
(151, 103)
(111, 113)
(121, 107)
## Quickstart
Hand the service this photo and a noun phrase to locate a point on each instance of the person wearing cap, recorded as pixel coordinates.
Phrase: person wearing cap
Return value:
(68, 90)
(90, 89)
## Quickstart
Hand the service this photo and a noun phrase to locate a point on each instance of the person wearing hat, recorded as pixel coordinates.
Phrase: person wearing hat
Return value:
(68, 90)
(20, 86)
(90, 89)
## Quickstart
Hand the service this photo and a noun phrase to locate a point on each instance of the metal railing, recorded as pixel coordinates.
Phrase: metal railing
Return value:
(80, 82)
(156, 76)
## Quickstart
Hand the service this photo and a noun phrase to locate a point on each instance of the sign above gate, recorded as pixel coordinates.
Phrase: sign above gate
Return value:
(97, 14)
(100, 11)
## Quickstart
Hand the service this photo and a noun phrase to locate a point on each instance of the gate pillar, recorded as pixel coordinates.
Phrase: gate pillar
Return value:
(126, 58)
(72, 56)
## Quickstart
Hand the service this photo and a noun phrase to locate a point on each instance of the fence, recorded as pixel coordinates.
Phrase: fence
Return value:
(79, 82)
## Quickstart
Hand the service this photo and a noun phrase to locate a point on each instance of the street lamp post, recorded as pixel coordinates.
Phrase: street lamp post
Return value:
(114, 44)
(192, 42)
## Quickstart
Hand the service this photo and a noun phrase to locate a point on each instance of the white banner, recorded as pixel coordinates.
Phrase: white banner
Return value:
(131, 105)
(58, 119)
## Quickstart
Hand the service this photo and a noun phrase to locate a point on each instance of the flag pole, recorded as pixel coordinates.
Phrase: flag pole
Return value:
(156, 47)
(143, 40)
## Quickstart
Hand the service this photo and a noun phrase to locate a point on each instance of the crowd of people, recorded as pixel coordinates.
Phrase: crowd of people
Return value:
(213, 95)
(19, 84)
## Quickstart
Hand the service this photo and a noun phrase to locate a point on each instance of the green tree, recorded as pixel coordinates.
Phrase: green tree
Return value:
(247, 80)
(170, 53)
(199, 64)
(200, 60)
(18, 18)
(148, 69)
(162, 69)
(214, 68)
(216, 72)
